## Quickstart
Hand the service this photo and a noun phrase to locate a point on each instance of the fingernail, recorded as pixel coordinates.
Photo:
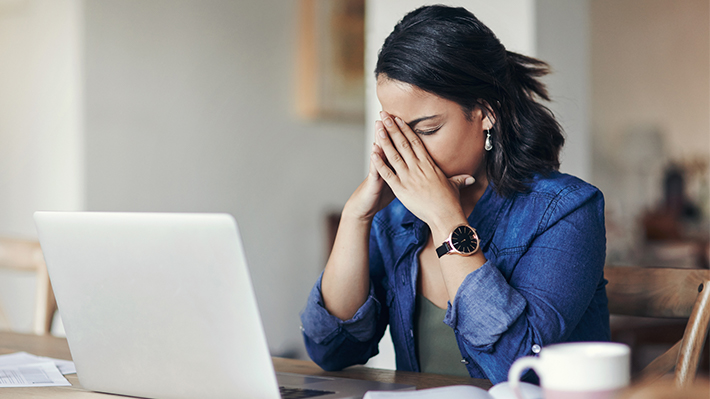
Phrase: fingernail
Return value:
(382, 134)
(469, 181)
(388, 122)
(373, 156)
(399, 121)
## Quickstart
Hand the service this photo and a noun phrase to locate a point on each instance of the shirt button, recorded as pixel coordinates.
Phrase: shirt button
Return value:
(464, 361)
(536, 348)
(301, 328)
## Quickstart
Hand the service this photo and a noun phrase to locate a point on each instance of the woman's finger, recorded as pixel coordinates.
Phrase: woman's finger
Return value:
(414, 141)
(399, 140)
(462, 181)
(391, 155)
(372, 170)
(389, 176)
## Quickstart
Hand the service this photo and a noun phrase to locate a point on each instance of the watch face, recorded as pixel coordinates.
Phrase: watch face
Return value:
(464, 240)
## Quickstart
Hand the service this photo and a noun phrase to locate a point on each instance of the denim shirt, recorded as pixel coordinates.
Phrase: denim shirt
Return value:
(542, 282)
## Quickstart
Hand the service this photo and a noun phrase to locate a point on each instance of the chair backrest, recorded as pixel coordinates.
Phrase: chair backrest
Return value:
(666, 293)
(26, 255)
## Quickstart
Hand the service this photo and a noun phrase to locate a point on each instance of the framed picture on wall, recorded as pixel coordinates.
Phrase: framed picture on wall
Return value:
(330, 60)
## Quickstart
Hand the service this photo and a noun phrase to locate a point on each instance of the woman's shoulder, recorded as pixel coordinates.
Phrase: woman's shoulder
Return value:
(555, 184)
(556, 187)
(560, 192)
(550, 199)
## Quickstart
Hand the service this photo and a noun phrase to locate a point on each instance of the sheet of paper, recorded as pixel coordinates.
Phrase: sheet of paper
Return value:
(504, 391)
(32, 375)
(452, 392)
(22, 358)
(499, 391)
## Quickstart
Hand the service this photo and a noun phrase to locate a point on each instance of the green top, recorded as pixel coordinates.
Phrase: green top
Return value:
(437, 349)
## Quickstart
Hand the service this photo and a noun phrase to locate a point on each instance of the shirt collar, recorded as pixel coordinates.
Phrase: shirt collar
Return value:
(419, 228)
(486, 214)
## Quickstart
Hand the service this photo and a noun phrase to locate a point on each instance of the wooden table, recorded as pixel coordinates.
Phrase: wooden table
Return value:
(58, 348)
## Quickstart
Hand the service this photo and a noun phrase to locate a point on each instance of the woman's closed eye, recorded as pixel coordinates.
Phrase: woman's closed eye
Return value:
(427, 132)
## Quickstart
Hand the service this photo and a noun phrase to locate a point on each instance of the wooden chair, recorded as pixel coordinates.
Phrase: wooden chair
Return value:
(26, 255)
(665, 293)
(663, 389)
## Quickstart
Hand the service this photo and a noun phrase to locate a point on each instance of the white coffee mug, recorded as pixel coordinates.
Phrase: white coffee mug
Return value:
(580, 370)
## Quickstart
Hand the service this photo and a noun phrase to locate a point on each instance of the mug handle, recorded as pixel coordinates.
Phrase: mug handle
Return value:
(520, 365)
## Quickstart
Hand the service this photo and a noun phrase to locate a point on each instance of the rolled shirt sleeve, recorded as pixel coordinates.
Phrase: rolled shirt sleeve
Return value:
(333, 343)
(321, 326)
(485, 307)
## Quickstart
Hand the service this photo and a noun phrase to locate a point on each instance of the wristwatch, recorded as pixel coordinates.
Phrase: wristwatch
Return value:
(463, 241)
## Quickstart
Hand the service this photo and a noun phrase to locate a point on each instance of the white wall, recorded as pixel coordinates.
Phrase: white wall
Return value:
(40, 111)
(562, 33)
(41, 151)
(189, 108)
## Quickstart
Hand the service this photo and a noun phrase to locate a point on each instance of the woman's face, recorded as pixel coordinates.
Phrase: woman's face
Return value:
(454, 142)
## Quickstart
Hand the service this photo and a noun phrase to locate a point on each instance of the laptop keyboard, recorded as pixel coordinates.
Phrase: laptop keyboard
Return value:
(298, 393)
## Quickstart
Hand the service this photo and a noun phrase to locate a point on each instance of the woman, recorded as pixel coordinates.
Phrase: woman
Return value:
(463, 217)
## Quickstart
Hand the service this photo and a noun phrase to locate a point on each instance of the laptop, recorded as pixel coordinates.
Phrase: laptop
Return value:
(161, 305)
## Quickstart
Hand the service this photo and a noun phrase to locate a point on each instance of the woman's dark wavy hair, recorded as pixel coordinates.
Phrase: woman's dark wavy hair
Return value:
(450, 53)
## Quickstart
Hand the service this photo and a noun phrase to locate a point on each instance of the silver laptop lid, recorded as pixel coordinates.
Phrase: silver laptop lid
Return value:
(157, 305)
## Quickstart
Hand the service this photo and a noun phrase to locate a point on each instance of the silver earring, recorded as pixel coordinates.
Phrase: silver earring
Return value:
(488, 146)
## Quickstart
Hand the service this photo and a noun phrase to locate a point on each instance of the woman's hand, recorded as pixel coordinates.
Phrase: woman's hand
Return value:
(403, 162)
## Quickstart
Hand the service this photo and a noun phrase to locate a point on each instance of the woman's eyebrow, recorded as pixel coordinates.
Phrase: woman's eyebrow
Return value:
(424, 118)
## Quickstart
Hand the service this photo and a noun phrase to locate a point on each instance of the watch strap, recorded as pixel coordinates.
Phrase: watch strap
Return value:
(443, 249)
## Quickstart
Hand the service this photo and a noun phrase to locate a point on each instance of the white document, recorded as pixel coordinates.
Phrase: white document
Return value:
(453, 392)
(499, 391)
(32, 375)
(22, 358)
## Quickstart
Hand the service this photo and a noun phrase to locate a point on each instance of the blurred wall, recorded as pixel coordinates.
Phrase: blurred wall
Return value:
(650, 67)
(188, 107)
(562, 40)
(41, 128)
(41, 151)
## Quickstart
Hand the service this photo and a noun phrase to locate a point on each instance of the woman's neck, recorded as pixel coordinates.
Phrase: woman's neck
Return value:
(470, 195)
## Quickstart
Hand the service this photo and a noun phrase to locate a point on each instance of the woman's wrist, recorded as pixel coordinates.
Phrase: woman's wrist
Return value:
(352, 213)
(442, 228)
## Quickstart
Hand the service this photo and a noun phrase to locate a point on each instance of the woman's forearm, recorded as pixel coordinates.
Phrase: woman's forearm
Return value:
(346, 281)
